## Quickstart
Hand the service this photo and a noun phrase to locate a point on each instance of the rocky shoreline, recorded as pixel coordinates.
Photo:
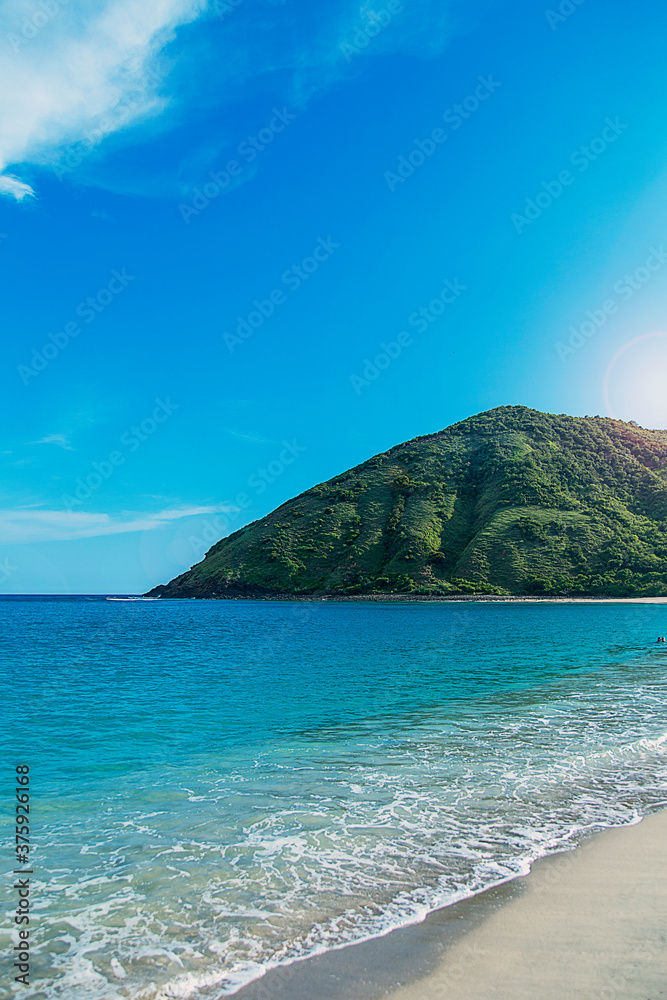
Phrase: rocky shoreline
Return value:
(411, 598)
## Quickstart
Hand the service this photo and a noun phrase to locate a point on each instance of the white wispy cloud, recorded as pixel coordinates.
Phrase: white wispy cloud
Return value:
(82, 69)
(249, 437)
(36, 525)
(95, 67)
(14, 188)
(59, 439)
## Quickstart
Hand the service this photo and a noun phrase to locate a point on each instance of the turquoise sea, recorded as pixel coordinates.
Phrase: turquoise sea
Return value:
(218, 787)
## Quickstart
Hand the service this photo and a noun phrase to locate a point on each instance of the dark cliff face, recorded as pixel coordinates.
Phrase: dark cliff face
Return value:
(512, 501)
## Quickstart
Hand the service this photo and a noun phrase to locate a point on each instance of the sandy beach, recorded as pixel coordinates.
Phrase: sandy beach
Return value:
(591, 924)
(588, 924)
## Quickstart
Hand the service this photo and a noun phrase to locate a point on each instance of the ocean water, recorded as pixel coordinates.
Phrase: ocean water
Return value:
(219, 787)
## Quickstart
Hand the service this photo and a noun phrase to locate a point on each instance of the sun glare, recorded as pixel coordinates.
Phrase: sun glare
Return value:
(635, 383)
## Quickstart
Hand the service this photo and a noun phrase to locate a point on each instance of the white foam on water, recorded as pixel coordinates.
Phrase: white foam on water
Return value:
(311, 848)
(132, 598)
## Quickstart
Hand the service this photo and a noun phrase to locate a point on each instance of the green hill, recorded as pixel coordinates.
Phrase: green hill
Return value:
(512, 501)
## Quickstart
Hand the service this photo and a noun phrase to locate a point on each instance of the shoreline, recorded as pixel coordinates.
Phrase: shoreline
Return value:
(590, 927)
(360, 598)
(421, 598)
(585, 924)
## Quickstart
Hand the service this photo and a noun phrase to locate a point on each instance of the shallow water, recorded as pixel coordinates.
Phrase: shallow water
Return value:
(221, 786)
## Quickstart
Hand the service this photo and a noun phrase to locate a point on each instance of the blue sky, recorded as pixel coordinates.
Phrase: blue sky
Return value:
(215, 219)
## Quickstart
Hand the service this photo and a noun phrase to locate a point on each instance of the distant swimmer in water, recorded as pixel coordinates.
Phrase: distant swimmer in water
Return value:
(662, 639)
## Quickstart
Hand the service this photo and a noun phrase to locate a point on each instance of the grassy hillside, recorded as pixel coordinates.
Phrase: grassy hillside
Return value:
(512, 501)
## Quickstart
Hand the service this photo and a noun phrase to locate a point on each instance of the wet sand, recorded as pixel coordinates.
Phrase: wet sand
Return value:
(589, 924)
(592, 924)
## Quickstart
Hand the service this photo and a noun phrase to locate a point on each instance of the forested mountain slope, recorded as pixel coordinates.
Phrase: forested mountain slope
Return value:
(511, 501)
